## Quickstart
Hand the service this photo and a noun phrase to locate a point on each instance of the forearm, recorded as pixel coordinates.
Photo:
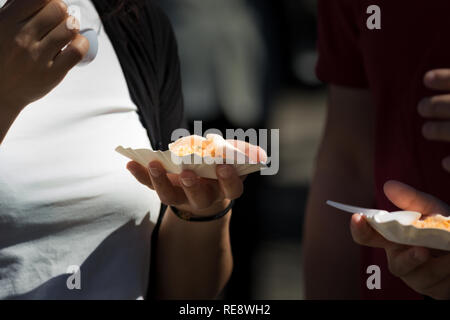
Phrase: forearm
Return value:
(332, 259)
(345, 173)
(194, 259)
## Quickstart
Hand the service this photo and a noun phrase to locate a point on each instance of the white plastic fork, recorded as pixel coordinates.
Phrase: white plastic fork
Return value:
(352, 209)
(403, 217)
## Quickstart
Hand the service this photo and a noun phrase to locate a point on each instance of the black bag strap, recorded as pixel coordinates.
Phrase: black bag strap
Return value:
(145, 44)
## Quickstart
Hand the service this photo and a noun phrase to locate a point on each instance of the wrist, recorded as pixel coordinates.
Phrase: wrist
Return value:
(214, 209)
(213, 213)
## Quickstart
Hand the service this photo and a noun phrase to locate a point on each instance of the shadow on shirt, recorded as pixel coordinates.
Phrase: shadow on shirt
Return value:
(108, 272)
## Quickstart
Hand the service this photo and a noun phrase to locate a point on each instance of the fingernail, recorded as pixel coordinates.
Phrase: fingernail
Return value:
(155, 172)
(224, 172)
(355, 221)
(188, 182)
(63, 5)
(430, 76)
(72, 23)
(361, 221)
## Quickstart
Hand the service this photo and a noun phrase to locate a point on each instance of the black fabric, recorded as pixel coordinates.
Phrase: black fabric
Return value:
(146, 48)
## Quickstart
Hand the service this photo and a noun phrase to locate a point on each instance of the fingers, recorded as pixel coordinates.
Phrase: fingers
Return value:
(365, 235)
(155, 178)
(446, 164)
(47, 19)
(435, 107)
(58, 38)
(71, 55)
(189, 190)
(403, 262)
(140, 173)
(200, 194)
(427, 278)
(409, 199)
(419, 270)
(440, 291)
(438, 131)
(23, 9)
(414, 265)
(230, 183)
(438, 79)
(203, 194)
(167, 192)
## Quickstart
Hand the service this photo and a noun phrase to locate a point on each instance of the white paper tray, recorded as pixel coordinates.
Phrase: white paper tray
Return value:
(397, 227)
(205, 167)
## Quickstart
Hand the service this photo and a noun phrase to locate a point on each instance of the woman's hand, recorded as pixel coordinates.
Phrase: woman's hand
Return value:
(437, 108)
(187, 191)
(424, 270)
(32, 36)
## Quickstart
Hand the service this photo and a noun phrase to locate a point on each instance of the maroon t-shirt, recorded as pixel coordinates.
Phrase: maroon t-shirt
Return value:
(414, 38)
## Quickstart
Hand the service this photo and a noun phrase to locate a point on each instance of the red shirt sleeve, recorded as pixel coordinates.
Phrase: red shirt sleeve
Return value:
(340, 58)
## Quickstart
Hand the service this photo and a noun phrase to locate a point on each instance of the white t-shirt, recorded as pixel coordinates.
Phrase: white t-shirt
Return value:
(66, 198)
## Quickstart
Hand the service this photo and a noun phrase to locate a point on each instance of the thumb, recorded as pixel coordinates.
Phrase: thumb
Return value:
(409, 199)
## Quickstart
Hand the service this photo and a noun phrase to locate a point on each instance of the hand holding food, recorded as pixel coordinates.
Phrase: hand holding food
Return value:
(200, 155)
(185, 189)
(424, 270)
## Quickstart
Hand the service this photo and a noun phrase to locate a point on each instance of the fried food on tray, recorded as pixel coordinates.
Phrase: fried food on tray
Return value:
(211, 146)
(434, 222)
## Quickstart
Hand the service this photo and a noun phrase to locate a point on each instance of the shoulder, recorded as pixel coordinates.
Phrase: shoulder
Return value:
(143, 33)
(131, 18)
(158, 21)
(161, 35)
(153, 10)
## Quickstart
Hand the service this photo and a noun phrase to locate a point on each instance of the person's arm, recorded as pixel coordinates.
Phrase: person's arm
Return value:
(344, 172)
(193, 259)
(32, 35)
